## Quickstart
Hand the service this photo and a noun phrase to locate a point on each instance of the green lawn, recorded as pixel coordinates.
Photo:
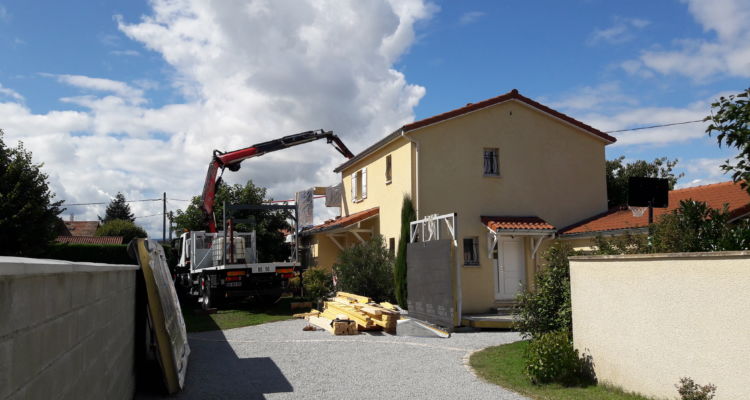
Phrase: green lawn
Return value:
(503, 365)
(235, 315)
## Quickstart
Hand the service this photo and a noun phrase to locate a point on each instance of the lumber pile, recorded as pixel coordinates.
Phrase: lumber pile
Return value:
(348, 313)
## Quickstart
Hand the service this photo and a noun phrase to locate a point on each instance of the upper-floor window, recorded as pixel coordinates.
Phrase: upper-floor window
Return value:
(359, 185)
(388, 169)
(491, 165)
(471, 250)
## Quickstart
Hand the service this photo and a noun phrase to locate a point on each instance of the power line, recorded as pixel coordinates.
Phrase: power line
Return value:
(656, 126)
(146, 216)
(94, 204)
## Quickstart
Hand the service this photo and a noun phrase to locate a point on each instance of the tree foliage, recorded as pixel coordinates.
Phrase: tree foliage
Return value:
(366, 269)
(547, 309)
(269, 224)
(399, 270)
(28, 216)
(318, 283)
(619, 172)
(118, 208)
(120, 227)
(730, 122)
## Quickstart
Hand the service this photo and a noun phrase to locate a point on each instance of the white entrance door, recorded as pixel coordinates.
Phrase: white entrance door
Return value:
(510, 268)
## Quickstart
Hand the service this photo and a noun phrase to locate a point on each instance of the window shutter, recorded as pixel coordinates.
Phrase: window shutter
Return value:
(364, 183)
(354, 186)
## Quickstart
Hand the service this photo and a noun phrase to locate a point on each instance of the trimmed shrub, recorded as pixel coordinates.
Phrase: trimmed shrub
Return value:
(551, 358)
(547, 309)
(366, 269)
(318, 283)
(97, 253)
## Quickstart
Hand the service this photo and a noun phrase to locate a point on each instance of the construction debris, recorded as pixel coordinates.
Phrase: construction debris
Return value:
(347, 314)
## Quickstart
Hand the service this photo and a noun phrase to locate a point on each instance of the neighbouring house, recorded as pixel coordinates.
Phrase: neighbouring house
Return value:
(83, 232)
(513, 170)
(620, 221)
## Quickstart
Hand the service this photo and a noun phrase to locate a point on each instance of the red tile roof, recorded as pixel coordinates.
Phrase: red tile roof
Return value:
(512, 95)
(516, 223)
(715, 195)
(342, 221)
(90, 239)
(82, 228)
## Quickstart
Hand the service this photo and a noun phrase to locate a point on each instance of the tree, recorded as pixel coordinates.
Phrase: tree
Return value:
(730, 121)
(118, 208)
(366, 269)
(120, 227)
(619, 173)
(269, 224)
(399, 270)
(28, 216)
(694, 226)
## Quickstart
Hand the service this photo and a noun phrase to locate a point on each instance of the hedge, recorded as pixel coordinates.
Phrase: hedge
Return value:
(97, 253)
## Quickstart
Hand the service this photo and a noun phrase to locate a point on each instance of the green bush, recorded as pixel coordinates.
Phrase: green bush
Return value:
(690, 390)
(551, 358)
(366, 269)
(119, 227)
(318, 283)
(399, 270)
(547, 309)
(97, 253)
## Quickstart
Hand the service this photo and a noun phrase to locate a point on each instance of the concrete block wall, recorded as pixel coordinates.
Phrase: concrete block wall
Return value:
(66, 330)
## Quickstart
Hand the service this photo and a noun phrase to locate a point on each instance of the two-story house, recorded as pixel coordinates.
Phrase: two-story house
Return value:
(514, 171)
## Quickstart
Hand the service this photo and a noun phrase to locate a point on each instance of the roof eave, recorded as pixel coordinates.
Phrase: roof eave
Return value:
(393, 136)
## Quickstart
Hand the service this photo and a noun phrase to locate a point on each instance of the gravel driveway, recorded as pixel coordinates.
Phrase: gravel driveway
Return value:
(281, 361)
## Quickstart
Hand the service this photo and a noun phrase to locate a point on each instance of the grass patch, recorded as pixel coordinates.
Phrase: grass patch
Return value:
(503, 365)
(236, 315)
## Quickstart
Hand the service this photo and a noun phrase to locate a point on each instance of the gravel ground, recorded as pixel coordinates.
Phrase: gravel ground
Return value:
(281, 361)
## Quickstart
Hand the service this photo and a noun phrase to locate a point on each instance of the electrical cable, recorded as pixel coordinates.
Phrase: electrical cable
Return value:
(655, 126)
(107, 202)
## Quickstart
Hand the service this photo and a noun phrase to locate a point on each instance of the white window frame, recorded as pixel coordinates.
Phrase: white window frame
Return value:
(359, 185)
(496, 152)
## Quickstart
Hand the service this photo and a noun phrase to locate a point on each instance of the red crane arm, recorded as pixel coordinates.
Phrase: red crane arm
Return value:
(232, 160)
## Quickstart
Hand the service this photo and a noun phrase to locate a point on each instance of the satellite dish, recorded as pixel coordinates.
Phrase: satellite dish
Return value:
(645, 192)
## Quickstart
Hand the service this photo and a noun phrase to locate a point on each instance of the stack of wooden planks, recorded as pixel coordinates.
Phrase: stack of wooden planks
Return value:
(349, 313)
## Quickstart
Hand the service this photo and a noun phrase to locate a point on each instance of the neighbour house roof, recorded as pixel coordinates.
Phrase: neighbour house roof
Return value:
(90, 239)
(512, 95)
(517, 224)
(342, 222)
(715, 195)
(81, 228)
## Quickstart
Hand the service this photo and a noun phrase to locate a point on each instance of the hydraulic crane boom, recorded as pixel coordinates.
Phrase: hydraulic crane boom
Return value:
(232, 160)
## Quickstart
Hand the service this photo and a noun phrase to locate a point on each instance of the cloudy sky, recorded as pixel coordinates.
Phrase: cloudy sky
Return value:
(133, 96)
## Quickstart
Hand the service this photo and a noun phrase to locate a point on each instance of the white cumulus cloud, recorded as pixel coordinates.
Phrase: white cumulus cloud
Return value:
(248, 72)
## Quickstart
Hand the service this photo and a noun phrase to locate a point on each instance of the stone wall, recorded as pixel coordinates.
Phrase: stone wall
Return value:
(66, 329)
(648, 320)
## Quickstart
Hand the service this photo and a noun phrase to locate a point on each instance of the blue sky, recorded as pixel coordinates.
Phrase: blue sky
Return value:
(132, 96)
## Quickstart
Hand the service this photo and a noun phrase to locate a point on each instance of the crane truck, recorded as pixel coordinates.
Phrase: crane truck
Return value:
(216, 265)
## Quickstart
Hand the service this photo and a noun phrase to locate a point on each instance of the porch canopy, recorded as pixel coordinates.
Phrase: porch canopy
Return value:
(535, 227)
(336, 229)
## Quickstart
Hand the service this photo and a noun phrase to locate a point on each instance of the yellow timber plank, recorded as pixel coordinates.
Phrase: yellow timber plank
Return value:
(358, 298)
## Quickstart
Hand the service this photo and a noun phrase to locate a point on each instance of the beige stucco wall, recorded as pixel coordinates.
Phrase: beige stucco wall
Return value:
(388, 196)
(548, 169)
(325, 252)
(649, 320)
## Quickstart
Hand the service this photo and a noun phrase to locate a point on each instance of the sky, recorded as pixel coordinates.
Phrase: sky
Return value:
(133, 96)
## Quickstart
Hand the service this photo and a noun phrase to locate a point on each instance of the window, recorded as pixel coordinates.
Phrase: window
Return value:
(471, 251)
(359, 185)
(491, 165)
(392, 246)
(388, 169)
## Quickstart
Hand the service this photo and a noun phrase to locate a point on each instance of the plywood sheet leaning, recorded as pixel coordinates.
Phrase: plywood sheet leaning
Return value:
(164, 313)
